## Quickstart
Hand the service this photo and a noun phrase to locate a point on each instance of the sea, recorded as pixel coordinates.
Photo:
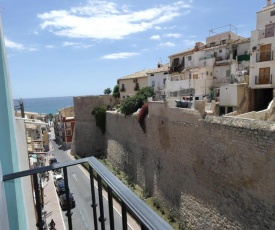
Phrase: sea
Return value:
(45, 105)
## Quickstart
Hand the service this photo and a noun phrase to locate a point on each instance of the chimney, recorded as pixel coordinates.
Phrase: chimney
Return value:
(268, 2)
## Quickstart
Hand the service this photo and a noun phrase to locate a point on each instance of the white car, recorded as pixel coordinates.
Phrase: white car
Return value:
(57, 178)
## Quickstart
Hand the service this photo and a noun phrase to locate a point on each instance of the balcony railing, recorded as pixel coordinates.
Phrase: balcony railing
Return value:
(122, 89)
(264, 56)
(263, 80)
(131, 203)
(266, 33)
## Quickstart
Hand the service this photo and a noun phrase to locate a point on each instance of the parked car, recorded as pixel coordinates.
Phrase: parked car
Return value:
(52, 160)
(63, 202)
(60, 187)
(57, 179)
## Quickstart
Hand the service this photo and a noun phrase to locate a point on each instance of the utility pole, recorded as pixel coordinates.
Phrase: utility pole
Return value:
(21, 107)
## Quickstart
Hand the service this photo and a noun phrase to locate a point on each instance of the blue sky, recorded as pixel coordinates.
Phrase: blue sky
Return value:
(81, 47)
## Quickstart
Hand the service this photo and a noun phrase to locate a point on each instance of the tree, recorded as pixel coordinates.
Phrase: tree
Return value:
(116, 93)
(107, 91)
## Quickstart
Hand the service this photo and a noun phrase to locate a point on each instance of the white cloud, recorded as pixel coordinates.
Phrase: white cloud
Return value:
(107, 20)
(189, 42)
(119, 55)
(76, 45)
(155, 37)
(17, 46)
(49, 46)
(172, 35)
(69, 43)
(167, 44)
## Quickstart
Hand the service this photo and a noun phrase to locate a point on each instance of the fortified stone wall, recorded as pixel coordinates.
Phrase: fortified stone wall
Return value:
(217, 172)
(88, 139)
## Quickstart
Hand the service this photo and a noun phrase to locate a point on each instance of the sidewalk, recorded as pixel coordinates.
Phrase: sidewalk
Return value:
(51, 203)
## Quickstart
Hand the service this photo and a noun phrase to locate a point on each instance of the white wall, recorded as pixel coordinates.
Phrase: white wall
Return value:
(23, 158)
(228, 95)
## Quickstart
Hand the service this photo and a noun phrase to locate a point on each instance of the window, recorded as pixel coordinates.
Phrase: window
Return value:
(272, 13)
(227, 73)
(165, 73)
(212, 44)
(269, 30)
(264, 75)
(195, 76)
(223, 42)
(153, 84)
(220, 51)
(122, 87)
(164, 80)
(189, 58)
(68, 132)
(152, 74)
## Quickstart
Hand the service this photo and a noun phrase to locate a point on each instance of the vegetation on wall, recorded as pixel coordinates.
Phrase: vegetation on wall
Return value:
(100, 117)
(116, 93)
(132, 104)
(141, 116)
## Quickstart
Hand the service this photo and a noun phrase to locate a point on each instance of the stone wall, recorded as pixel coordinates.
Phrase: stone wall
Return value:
(88, 139)
(217, 172)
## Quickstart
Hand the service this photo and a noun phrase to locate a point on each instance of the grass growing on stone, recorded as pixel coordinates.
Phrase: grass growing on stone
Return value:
(168, 215)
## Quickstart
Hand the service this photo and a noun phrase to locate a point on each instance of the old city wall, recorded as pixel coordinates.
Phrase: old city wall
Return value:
(88, 139)
(217, 172)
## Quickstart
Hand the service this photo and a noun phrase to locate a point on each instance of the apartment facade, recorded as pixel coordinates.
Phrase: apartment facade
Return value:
(262, 63)
(130, 84)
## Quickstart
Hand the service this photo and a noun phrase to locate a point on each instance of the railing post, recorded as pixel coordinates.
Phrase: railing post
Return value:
(94, 204)
(270, 79)
(40, 223)
(124, 216)
(100, 198)
(256, 83)
(111, 210)
(67, 193)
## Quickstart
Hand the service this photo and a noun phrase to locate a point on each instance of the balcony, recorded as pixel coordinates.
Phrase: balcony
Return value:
(130, 203)
(264, 56)
(122, 89)
(266, 33)
(263, 80)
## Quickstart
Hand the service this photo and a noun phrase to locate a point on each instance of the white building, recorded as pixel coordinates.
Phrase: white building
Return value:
(207, 66)
(262, 64)
(157, 79)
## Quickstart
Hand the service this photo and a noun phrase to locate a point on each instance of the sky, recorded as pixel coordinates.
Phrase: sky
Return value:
(61, 48)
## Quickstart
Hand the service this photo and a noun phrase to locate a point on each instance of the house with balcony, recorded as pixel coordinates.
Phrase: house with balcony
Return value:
(64, 123)
(130, 84)
(205, 70)
(262, 63)
(157, 79)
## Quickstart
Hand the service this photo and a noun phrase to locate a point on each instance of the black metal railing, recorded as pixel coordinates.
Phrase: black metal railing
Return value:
(264, 56)
(262, 80)
(131, 203)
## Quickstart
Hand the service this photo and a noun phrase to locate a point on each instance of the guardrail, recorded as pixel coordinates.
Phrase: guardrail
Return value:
(130, 202)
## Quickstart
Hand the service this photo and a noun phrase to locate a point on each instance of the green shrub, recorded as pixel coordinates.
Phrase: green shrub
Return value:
(100, 117)
(131, 104)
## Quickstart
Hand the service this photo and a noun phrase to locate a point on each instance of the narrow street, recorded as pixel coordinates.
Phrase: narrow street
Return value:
(79, 184)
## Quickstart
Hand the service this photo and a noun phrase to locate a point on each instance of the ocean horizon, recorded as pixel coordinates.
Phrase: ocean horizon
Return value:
(45, 105)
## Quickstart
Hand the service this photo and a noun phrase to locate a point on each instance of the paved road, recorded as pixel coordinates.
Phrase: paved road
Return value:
(79, 185)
